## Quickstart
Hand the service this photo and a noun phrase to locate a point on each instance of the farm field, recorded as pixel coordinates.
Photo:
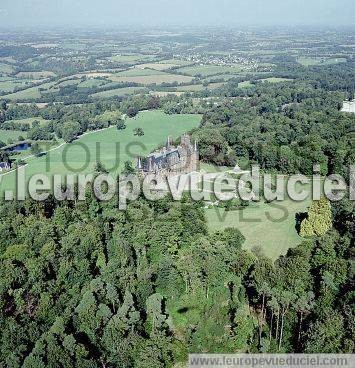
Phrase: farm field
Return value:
(175, 61)
(130, 58)
(276, 80)
(31, 93)
(209, 70)
(6, 68)
(315, 61)
(198, 87)
(220, 77)
(137, 72)
(119, 92)
(68, 82)
(36, 75)
(93, 82)
(156, 78)
(157, 127)
(247, 84)
(10, 85)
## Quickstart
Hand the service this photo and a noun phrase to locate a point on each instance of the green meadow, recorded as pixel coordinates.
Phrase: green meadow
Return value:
(31, 93)
(6, 68)
(8, 86)
(269, 228)
(319, 61)
(92, 82)
(119, 92)
(5, 135)
(128, 58)
(208, 70)
(30, 121)
(110, 146)
(247, 83)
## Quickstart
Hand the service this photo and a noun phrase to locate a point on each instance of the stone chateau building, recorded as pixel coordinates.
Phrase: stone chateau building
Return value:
(171, 160)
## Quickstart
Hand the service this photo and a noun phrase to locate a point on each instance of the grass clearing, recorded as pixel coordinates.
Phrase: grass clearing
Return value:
(276, 80)
(198, 87)
(119, 92)
(175, 62)
(220, 77)
(152, 79)
(68, 82)
(348, 106)
(245, 84)
(29, 121)
(10, 85)
(91, 83)
(166, 93)
(89, 75)
(36, 75)
(209, 70)
(267, 227)
(319, 61)
(129, 58)
(136, 72)
(6, 68)
(113, 146)
(31, 93)
(5, 135)
(156, 66)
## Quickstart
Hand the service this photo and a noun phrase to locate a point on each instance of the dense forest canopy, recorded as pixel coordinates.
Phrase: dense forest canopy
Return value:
(83, 284)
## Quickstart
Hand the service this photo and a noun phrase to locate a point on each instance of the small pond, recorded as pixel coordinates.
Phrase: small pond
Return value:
(19, 147)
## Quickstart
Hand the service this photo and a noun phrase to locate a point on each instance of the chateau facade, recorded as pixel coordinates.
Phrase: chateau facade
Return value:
(171, 160)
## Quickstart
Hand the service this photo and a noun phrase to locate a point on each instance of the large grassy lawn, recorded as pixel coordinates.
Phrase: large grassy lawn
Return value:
(267, 227)
(30, 121)
(155, 124)
(5, 135)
